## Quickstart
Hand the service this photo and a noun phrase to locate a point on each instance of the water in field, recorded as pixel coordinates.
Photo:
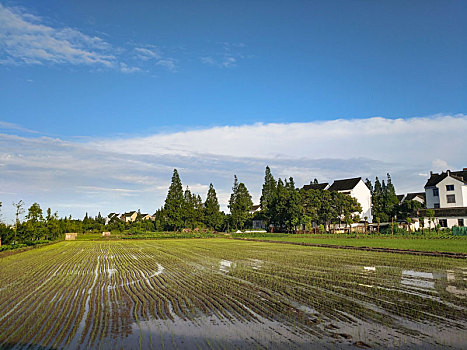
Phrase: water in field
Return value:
(192, 294)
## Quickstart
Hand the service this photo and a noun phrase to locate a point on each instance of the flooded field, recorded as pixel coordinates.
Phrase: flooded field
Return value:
(216, 293)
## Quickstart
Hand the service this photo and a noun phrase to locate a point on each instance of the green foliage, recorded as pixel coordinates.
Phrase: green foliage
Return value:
(213, 216)
(384, 199)
(240, 204)
(267, 195)
(174, 204)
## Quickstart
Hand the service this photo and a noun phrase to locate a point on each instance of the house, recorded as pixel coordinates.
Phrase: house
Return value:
(446, 195)
(418, 196)
(70, 236)
(129, 217)
(357, 189)
(146, 217)
(316, 186)
(257, 222)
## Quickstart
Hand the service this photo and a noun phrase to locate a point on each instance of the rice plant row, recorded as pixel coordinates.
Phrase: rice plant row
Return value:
(222, 293)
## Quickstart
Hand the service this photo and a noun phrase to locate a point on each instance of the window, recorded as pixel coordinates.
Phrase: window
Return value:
(436, 206)
(443, 222)
(460, 222)
(449, 187)
(435, 192)
(451, 198)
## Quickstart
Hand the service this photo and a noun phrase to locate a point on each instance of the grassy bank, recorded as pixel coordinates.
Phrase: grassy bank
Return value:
(425, 243)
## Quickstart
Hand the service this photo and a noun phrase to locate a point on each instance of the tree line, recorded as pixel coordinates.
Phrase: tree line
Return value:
(283, 207)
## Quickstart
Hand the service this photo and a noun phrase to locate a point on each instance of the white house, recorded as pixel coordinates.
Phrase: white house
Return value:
(357, 189)
(446, 194)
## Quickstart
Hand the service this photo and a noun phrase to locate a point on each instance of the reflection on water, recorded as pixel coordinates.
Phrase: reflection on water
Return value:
(226, 265)
(418, 279)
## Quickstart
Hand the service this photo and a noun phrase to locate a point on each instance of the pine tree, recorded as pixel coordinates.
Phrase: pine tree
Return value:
(188, 209)
(293, 209)
(173, 207)
(240, 204)
(269, 187)
(212, 214)
(267, 195)
(391, 201)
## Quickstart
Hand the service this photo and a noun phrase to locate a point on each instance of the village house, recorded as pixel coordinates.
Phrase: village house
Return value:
(256, 223)
(446, 195)
(357, 189)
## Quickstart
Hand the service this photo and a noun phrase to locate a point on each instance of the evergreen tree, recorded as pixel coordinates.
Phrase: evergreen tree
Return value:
(188, 209)
(391, 202)
(173, 207)
(293, 209)
(267, 195)
(213, 216)
(240, 204)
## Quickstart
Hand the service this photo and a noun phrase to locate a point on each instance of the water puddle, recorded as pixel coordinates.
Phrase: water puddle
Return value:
(226, 265)
(418, 279)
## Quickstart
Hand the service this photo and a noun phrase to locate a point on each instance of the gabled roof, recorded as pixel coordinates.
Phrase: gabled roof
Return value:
(437, 178)
(346, 184)
(446, 212)
(400, 197)
(316, 186)
(130, 213)
(412, 196)
(254, 208)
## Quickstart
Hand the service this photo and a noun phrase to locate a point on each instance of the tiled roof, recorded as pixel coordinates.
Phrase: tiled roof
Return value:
(316, 186)
(411, 196)
(444, 212)
(436, 178)
(346, 184)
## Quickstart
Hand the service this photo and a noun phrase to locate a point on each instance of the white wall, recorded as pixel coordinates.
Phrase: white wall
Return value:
(363, 195)
(451, 221)
(457, 192)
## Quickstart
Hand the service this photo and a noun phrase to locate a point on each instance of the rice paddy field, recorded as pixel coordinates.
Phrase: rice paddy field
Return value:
(221, 293)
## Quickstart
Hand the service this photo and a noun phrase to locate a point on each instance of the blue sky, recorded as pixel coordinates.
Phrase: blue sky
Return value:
(86, 81)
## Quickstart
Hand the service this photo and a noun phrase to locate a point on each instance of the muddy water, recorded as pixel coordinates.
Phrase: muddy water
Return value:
(203, 294)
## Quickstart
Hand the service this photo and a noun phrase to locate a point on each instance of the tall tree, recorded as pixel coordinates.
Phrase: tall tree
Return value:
(293, 208)
(267, 195)
(173, 207)
(213, 216)
(188, 209)
(391, 202)
(240, 204)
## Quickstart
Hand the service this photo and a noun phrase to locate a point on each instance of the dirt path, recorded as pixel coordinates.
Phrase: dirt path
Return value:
(372, 249)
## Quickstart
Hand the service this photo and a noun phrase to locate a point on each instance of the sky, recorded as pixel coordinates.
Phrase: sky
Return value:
(101, 100)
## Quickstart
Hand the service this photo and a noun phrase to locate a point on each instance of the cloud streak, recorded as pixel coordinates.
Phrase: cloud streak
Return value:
(134, 172)
(26, 39)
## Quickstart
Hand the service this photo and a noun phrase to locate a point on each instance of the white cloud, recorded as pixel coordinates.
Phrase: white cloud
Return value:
(167, 63)
(13, 126)
(227, 57)
(146, 54)
(132, 173)
(26, 40)
(126, 69)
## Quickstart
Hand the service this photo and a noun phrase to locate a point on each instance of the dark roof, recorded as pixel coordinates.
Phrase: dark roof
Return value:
(130, 213)
(436, 178)
(400, 197)
(346, 184)
(444, 212)
(255, 207)
(316, 186)
(411, 196)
